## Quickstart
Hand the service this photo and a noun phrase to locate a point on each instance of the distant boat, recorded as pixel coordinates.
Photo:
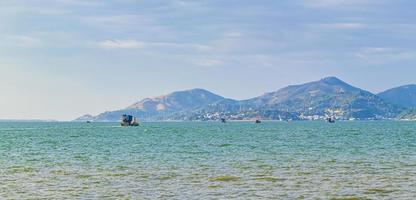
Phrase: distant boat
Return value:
(330, 119)
(223, 120)
(257, 121)
(128, 120)
(88, 122)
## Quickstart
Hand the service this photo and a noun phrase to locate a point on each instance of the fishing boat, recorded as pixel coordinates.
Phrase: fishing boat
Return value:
(257, 121)
(128, 120)
(330, 119)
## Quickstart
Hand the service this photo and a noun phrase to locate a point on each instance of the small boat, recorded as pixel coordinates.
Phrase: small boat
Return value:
(223, 120)
(128, 120)
(89, 122)
(257, 121)
(330, 119)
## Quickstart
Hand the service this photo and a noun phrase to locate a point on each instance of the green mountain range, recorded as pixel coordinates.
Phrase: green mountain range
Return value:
(315, 100)
(403, 96)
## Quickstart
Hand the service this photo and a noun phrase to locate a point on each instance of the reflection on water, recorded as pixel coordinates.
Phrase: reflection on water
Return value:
(298, 160)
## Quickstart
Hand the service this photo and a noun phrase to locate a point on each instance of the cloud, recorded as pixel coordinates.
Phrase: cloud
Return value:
(136, 44)
(185, 3)
(329, 3)
(124, 19)
(208, 62)
(190, 46)
(44, 39)
(22, 41)
(343, 25)
(47, 7)
(11, 9)
(382, 55)
(125, 23)
(335, 3)
(233, 34)
(121, 44)
(80, 2)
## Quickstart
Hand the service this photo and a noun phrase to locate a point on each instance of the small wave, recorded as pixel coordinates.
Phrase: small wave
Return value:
(347, 198)
(225, 179)
(83, 176)
(224, 145)
(269, 179)
(60, 172)
(119, 174)
(21, 169)
(378, 191)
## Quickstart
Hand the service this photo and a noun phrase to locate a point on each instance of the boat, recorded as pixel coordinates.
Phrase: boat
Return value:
(89, 122)
(330, 119)
(128, 120)
(223, 120)
(257, 121)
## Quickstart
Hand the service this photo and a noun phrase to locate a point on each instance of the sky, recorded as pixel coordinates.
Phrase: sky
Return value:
(60, 59)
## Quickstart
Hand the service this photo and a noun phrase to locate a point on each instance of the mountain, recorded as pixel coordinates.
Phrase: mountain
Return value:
(84, 118)
(328, 96)
(177, 101)
(408, 114)
(403, 96)
(160, 108)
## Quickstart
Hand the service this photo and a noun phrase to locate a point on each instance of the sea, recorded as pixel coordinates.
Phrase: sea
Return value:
(209, 160)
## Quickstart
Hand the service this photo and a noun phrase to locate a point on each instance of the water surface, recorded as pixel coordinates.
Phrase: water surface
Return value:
(236, 160)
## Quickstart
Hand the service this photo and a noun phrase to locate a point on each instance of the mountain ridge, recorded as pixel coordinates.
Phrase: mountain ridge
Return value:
(177, 100)
(328, 96)
(403, 96)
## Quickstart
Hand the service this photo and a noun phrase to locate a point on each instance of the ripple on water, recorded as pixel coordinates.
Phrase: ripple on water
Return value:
(122, 167)
(225, 178)
(225, 145)
(269, 179)
(214, 186)
(347, 198)
(349, 161)
(21, 169)
(83, 176)
(60, 172)
(167, 176)
(378, 191)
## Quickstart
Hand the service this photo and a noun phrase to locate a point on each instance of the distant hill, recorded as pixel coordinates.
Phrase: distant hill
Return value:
(159, 108)
(403, 96)
(327, 97)
(84, 118)
(177, 101)
(408, 114)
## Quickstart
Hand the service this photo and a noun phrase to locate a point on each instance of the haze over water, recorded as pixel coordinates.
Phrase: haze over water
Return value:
(236, 160)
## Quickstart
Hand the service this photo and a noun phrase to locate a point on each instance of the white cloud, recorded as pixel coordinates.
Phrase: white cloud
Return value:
(46, 7)
(122, 23)
(233, 34)
(344, 25)
(126, 19)
(22, 41)
(190, 46)
(382, 55)
(135, 44)
(208, 62)
(80, 2)
(335, 3)
(121, 44)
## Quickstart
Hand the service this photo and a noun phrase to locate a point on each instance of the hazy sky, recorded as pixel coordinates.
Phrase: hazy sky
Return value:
(60, 59)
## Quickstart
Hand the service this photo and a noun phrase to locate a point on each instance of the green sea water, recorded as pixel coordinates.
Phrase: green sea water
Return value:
(235, 160)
